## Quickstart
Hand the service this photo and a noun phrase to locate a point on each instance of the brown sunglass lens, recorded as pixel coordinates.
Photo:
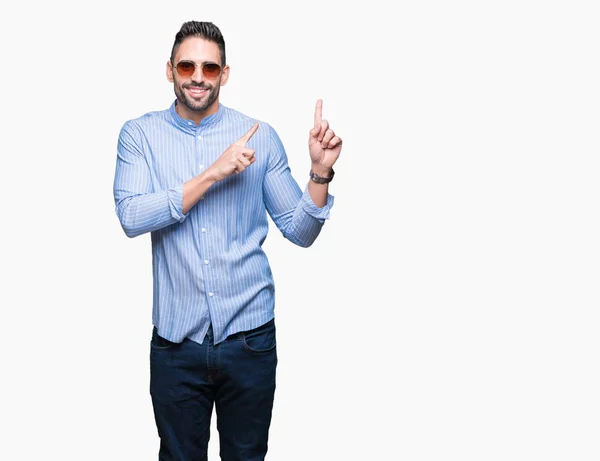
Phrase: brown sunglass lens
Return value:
(211, 70)
(185, 69)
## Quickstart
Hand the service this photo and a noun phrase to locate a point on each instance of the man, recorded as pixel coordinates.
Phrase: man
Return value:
(201, 178)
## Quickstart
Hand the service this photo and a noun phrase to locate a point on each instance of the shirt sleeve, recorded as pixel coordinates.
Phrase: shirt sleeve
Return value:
(293, 211)
(139, 207)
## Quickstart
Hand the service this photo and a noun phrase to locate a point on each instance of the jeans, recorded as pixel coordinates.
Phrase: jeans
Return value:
(236, 375)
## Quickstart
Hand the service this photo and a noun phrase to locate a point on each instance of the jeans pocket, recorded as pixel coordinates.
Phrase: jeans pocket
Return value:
(261, 339)
(158, 342)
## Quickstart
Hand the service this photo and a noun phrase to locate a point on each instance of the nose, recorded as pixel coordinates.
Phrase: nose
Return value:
(198, 75)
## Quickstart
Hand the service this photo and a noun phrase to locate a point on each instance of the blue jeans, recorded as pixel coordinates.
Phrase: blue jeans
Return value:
(236, 375)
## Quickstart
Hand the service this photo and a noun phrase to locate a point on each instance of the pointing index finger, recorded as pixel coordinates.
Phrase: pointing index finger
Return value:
(244, 139)
(318, 113)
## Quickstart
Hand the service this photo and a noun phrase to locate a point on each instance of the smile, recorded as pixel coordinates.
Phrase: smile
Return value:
(197, 91)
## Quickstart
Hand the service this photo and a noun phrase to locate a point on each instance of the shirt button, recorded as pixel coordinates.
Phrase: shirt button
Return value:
(199, 137)
(211, 294)
(189, 123)
(206, 262)
(203, 229)
(201, 167)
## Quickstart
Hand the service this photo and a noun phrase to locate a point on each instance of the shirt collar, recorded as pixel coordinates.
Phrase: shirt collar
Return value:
(189, 125)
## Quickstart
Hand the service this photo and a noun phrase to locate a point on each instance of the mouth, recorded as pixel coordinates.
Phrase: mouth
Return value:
(196, 91)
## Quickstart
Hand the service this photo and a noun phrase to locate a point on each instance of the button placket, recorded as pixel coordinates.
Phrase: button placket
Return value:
(204, 249)
(203, 245)
(199, 151)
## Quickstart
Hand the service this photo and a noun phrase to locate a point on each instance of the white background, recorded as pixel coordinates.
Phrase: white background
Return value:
(449, 308)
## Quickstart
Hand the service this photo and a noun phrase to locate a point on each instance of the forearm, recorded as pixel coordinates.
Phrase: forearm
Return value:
(318, 192)
(302, 223)
(149, 212)
(195, 188)
(303, 229)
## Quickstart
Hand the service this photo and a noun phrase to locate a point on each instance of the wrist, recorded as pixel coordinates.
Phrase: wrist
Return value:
(210, 175)
(322, 171)
(323, 178)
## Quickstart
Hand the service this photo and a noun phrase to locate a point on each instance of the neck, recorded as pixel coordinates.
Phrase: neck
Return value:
(195, 115)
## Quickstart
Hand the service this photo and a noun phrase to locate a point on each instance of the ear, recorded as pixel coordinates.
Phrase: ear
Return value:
(169, 72)
(224, 75)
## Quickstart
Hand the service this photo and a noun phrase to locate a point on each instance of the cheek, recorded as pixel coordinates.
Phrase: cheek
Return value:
(178, 84)
(176, 79)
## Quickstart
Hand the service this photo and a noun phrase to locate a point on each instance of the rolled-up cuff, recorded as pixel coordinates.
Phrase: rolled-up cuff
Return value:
(175, 196)
(310, 208)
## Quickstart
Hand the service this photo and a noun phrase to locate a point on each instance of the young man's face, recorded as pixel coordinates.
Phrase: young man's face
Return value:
(197, 92)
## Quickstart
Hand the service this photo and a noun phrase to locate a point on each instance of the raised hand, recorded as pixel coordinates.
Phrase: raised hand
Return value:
(323, 144)
(236, 157)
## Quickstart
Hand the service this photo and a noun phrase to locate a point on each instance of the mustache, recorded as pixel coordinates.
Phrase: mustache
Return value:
(202, 86)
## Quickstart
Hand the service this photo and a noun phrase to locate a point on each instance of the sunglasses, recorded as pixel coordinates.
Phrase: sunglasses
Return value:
(187, 68)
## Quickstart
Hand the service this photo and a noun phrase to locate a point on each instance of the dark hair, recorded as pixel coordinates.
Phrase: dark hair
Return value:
(206, 30)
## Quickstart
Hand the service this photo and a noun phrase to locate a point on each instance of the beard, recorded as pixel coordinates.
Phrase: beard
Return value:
(197, 105)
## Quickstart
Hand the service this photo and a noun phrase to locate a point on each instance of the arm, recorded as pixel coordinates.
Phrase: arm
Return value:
(293, 211)
(300, 217)
(141, 209)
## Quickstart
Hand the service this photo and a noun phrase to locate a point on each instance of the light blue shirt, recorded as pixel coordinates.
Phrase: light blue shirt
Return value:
(208, 264)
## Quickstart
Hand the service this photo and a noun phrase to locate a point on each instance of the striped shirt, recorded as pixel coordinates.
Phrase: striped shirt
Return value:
(208, 265)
